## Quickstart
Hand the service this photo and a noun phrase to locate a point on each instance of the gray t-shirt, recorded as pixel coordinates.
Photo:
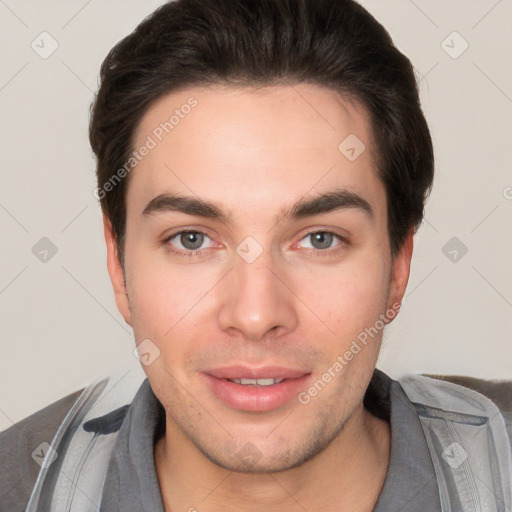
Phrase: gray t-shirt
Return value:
(131, 484)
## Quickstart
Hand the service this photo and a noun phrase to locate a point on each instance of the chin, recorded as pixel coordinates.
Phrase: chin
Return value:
(251, 459)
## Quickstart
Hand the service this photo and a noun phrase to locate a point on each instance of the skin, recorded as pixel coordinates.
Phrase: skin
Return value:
(254, 153)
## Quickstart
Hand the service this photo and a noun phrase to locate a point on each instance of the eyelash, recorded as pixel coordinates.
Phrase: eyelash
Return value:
(192, 253)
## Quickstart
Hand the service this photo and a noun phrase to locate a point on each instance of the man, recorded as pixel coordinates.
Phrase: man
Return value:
(262, 167)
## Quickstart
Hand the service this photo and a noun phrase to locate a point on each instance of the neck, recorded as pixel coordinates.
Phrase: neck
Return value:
(347, 475)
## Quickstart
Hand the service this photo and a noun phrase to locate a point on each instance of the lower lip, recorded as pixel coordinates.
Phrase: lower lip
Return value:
(256, 398)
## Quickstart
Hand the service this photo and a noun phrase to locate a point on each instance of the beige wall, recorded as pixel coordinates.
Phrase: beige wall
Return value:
(60, 325)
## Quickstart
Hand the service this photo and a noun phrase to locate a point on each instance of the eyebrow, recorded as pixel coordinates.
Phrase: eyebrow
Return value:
(338, 199)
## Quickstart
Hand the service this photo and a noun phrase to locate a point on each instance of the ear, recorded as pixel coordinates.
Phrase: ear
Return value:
(400, 272)
(115, 271)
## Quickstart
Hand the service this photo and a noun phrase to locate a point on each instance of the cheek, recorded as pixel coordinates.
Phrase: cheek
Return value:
(165, 298)
(166, 311)
(350, 298)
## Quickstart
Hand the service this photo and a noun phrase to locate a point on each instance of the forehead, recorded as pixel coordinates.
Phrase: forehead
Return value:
(226, 143)
(311, 115)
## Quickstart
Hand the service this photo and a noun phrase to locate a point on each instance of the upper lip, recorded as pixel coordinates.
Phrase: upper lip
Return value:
(261, 372)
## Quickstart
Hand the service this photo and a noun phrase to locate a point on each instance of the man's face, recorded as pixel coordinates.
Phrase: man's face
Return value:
(257, 294)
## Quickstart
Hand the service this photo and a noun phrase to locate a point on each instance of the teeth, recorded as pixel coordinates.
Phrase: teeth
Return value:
(257, 382)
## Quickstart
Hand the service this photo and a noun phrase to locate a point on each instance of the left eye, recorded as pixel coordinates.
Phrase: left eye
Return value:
(322, 239)
(190, 240)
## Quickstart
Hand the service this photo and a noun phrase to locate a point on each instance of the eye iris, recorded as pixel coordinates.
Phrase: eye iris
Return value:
(324, 239)
(195, 239)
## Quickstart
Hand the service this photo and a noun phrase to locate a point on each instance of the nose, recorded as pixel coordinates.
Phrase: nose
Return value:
(257, 300)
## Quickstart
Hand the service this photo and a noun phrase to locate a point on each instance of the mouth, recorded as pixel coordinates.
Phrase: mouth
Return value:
(256, 389)
(256, 382)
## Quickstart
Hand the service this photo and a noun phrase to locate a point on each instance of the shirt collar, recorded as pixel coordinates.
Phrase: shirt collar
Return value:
(411, 484)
